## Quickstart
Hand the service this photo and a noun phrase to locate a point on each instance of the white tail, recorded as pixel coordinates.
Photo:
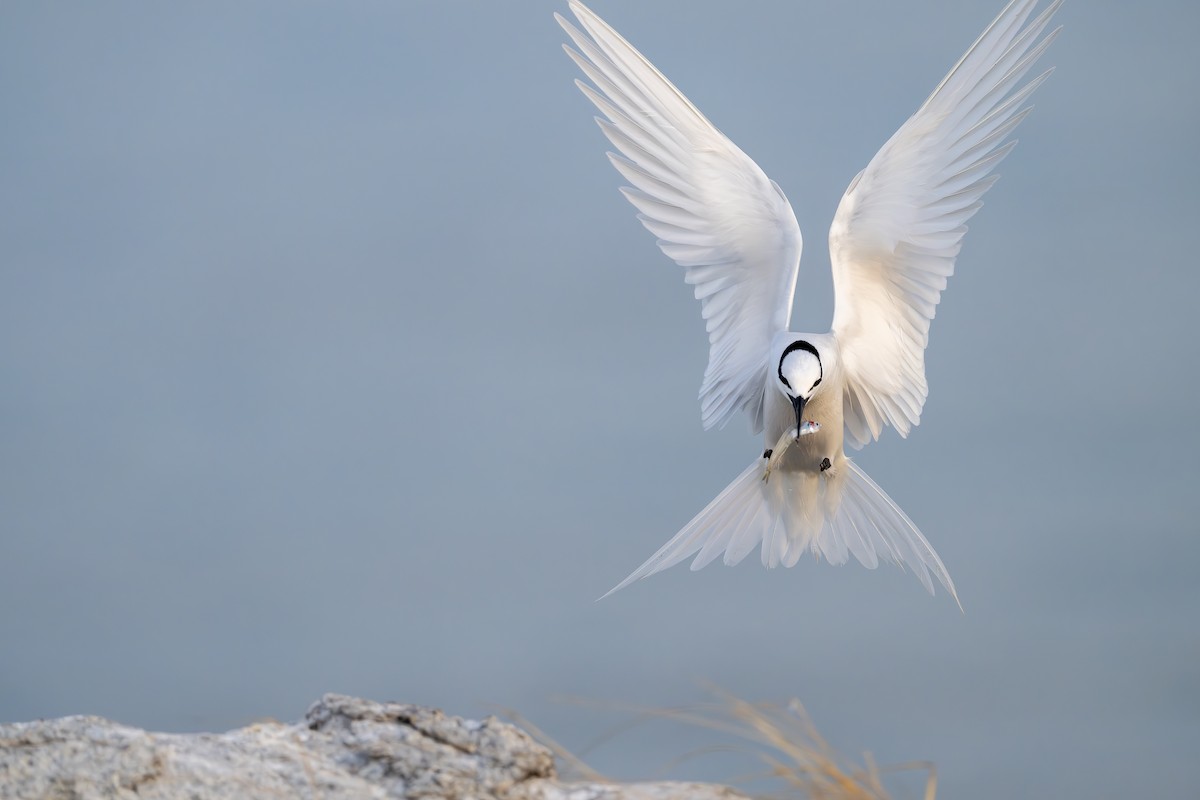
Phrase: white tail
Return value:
(832, 515)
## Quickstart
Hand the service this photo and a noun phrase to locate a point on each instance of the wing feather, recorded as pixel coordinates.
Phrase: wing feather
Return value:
(714, 211)
(900, 225)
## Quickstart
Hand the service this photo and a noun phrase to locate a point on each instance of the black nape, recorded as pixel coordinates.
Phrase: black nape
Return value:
(799, 344)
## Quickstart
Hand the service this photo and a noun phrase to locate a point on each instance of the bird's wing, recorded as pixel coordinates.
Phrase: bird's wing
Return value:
(900, 225)
(713, 210)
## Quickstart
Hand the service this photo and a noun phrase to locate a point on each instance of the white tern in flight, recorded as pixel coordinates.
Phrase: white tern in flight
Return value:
(892, 244)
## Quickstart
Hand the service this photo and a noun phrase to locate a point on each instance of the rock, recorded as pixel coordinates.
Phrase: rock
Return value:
(344, 748)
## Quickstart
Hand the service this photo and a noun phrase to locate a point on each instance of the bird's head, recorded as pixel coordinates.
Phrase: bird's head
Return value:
(798, 375)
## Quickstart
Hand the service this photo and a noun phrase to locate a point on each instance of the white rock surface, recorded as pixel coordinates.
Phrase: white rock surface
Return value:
(344, 748)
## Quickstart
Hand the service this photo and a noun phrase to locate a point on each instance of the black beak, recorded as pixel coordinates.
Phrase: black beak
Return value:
(798, 405)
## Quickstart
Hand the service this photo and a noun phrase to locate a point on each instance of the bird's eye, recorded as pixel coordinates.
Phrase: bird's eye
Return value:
(818, 380)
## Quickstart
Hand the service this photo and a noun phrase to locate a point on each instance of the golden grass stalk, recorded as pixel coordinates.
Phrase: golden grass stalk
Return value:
(782, 737)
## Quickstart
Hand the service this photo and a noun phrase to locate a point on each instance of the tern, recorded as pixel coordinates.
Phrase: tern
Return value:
(892, 245)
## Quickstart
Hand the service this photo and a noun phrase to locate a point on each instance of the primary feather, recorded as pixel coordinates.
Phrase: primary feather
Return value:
(900, 225)
(712, 208)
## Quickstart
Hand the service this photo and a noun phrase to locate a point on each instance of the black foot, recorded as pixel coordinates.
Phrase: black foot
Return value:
(825, 464)
(767, 453)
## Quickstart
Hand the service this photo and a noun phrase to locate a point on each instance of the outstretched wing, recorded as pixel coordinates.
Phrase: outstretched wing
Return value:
(900, 225)
(713, 210)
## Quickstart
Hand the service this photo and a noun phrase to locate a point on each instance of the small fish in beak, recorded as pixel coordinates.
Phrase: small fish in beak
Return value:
(803, 427)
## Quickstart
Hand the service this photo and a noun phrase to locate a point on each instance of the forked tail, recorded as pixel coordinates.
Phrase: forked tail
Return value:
(834, 516)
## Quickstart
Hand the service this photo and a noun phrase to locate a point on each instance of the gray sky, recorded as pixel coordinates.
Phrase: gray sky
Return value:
(332, 360)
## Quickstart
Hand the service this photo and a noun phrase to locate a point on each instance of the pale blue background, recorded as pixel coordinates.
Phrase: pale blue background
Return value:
(332, 360)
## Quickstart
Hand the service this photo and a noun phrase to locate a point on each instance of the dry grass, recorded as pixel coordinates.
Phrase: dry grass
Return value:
(783, 737)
